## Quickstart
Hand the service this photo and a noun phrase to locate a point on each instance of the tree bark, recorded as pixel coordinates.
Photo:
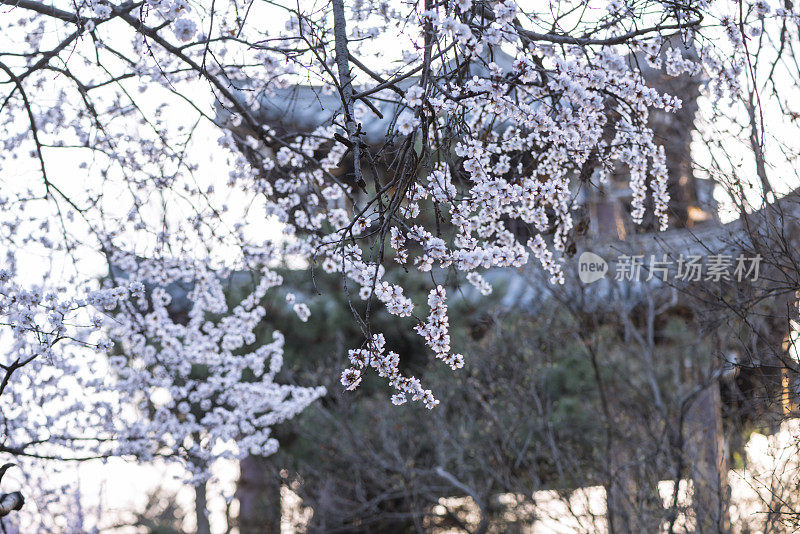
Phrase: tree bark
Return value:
(705, 455)
(201, 509)
(259, 495)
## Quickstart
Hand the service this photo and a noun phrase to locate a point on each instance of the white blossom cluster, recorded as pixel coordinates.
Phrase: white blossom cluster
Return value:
(208, 388)
(55, 399)
(38, 319)
(386, 364)
(436, 332)
(183, 384)
(436, 329)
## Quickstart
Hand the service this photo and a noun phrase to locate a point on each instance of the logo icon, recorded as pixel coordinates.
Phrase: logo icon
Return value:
(591, 267)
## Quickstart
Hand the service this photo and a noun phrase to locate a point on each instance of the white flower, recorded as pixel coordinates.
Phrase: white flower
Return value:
(406, 123)
(414, 96)
(351, 378)
(175, 9)
(102, 10)
(480, 284)
(506, 11)
(302, 311)
(105, 345)
(762, 7)
(184, 29)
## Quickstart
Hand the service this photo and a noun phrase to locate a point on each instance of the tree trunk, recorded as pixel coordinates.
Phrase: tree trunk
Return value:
(705, 455)
(632, 499)
(259, 495)
(201, 509)
(618, 491)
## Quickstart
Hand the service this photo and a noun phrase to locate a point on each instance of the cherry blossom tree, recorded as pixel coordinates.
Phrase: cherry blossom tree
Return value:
(448, 138)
